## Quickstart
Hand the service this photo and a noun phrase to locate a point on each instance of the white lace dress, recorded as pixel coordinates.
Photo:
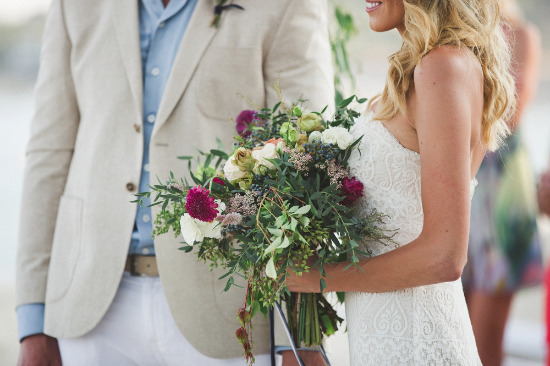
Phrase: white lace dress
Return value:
(427, 325)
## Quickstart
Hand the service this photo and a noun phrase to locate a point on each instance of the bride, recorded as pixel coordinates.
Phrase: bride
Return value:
(447, 94)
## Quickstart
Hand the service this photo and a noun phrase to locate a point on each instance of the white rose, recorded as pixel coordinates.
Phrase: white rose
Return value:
(231, 171)
(269, 151)
(190, 231)
(315, 136)
(210, 229)
(337, 136)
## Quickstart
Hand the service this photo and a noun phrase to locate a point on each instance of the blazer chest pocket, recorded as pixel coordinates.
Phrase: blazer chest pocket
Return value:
(226, 78)
(65, 248)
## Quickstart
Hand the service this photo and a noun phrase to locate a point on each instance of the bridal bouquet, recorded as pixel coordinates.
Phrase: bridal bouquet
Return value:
(281, 197)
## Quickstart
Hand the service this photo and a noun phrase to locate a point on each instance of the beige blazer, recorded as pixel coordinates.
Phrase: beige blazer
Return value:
(84, 154)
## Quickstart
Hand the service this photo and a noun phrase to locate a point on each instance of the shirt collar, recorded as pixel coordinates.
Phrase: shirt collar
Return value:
(158, 12)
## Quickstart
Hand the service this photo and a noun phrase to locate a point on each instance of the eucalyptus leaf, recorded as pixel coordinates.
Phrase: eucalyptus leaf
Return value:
(270, 269)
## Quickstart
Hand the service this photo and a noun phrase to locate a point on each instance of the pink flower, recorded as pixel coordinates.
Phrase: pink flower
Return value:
(200, 205)
(244, 120)
(352, 189)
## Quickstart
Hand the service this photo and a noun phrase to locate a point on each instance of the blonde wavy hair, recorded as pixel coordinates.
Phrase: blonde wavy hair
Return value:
(474, 24)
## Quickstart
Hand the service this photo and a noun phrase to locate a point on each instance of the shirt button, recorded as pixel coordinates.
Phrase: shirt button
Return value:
(151, 118)
(162, 24)
(146, 218)
(130, 187)
(155, 71)
(146, 168)
(145, 251)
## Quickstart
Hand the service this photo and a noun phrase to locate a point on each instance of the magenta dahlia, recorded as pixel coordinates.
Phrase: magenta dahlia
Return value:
(200, 205)
(352, 189)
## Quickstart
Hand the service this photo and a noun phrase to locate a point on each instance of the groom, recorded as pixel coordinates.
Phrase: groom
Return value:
(124, 88)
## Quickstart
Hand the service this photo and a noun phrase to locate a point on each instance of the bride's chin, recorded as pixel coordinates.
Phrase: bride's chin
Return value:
(381, 26)
(376, 27)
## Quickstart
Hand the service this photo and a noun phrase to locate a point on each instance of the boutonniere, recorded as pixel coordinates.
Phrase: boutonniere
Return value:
(219, 8)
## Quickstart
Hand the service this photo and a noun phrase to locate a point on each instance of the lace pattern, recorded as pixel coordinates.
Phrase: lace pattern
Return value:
(427, 325)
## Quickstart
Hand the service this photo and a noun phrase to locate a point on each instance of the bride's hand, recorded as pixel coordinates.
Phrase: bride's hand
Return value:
(306, 281)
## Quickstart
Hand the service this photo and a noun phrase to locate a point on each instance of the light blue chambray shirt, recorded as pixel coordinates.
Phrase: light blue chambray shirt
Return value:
(160, 32)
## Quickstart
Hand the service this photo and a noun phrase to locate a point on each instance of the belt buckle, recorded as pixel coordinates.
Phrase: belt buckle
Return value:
(132, 258)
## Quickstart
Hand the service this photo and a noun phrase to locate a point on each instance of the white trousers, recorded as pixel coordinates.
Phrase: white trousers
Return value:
(138, 330)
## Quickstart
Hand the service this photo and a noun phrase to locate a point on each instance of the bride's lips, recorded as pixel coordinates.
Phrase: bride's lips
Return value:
(373, 5)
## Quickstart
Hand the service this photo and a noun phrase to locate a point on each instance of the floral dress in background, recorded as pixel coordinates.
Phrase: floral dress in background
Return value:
(504, 252)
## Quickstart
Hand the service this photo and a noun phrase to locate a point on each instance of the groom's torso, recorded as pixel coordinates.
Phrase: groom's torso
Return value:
(95, 219)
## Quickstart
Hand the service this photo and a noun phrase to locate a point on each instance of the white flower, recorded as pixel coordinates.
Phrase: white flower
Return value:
(210, 229)
(269, 151)
(221, 206)
(337, 136)
(190, 231)
(194, 230)
(231, 171)
(315, 136)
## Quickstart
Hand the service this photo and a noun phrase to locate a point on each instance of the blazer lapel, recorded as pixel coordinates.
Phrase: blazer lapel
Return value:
(195, 41)
(126, 19)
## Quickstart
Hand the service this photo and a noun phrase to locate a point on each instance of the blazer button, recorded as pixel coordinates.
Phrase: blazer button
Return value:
(130, 187)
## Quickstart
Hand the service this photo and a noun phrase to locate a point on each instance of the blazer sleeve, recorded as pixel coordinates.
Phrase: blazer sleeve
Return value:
(300, 57)
(48, 156)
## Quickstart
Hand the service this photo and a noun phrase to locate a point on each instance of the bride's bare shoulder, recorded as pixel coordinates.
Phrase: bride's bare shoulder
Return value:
(448, 70)
(448, 64)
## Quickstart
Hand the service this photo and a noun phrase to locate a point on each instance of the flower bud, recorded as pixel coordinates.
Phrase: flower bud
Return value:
(245, 182)
(244, 159)
(310, 122)
(288, 132)
(315, 136)
(241, 335)
(244, 316)
(302, 139)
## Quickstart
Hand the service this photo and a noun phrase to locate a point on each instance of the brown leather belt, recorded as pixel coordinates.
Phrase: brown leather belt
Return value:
(142, 265)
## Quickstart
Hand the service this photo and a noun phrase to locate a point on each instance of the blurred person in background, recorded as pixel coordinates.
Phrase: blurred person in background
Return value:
(504, 251)
(124, 88)
(543, 196)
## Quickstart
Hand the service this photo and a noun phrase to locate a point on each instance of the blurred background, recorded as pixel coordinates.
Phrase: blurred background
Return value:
(21, 25)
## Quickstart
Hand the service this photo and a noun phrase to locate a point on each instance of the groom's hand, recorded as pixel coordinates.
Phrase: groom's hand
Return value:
(39, 350)
(309, 358)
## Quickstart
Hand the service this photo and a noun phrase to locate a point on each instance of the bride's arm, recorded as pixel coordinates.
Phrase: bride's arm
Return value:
(445, 108)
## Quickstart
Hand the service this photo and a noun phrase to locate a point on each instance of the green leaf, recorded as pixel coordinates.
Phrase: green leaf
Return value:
(275, 232)
(254, 307)
(230, 281)
(293, 224)
(219, 153)
(323, 284)
(316, 195)
(274, 245)
(285, 243)
(346, 102)
(303, 210)
(270, 269)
